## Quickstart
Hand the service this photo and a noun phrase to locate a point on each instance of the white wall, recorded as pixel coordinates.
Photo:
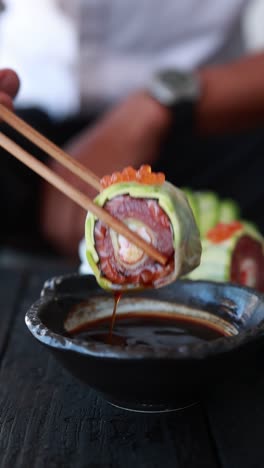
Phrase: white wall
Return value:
(254, 24)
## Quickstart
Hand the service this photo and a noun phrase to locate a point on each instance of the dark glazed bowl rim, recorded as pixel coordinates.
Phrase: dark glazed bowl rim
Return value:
(196, 351)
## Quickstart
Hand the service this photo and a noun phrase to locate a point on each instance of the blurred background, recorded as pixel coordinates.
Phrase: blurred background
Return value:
(70, 61)
(39, 36)
(253, 24)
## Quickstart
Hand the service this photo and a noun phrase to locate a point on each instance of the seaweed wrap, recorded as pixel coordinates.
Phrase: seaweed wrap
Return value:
(159, 213)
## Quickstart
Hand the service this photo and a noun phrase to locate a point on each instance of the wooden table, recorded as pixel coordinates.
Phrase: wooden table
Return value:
(48, 419)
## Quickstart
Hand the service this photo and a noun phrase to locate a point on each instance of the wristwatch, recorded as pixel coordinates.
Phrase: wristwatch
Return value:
(178, 91)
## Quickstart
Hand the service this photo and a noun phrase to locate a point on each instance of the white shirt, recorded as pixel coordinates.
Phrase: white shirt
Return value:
(85, 53)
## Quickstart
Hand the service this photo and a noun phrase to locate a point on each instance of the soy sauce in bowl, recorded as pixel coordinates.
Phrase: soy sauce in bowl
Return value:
(135, 330)
(146, 323)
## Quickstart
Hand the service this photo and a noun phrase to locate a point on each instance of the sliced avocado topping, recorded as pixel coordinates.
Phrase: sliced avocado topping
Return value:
(193, 204)
(229, 211)
(208, 205)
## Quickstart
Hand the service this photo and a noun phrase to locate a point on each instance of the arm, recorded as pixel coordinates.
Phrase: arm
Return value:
(232, 97)
(132, 134)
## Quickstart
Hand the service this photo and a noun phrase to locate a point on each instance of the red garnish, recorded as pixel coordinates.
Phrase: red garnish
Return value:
(223, 231)
(143, 175)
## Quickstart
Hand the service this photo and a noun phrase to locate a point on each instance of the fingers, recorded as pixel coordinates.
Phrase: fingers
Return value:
(9, 83)
(6, 100)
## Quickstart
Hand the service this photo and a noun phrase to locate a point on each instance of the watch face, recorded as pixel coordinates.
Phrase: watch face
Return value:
(172, 78)
(171, 87)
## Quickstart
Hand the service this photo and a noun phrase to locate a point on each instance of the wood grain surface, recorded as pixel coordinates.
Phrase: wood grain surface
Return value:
(48, 419)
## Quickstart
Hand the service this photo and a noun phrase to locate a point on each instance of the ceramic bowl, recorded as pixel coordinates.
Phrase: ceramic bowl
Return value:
(158, 377)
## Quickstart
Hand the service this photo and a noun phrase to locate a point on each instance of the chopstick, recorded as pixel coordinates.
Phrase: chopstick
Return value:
(78, 197)
(49, 147)
(74, 166)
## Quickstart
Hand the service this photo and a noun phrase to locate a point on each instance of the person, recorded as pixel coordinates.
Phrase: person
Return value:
(219, 148)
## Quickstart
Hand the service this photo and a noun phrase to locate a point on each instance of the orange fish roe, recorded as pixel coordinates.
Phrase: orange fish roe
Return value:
(143, 175)
(223, 231)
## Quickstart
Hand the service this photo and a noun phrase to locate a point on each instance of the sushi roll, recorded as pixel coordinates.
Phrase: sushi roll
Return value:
(209, 209)
(159, 213)
(232, 252)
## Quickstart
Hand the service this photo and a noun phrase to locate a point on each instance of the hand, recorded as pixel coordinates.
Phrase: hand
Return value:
(9, 84)
(130, 134)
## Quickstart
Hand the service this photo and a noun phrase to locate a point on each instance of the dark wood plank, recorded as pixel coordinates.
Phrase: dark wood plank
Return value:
(236, 417)
(11, 286)
(48, 419)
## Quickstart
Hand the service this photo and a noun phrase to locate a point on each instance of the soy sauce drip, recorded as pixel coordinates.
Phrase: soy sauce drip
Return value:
(117, 297)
